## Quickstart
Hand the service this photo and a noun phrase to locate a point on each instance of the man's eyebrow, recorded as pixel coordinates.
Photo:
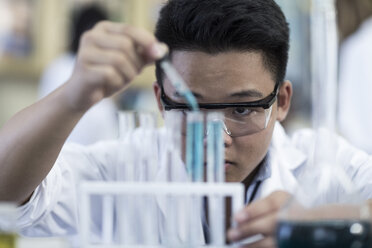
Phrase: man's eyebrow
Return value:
(247, 93)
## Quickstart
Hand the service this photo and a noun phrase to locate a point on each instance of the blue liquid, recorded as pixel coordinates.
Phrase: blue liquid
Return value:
(195, 151)
(190, 100)
(215, 151)
(324, 234)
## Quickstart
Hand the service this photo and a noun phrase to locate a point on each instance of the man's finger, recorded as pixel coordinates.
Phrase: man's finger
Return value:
(268, 242)
(122, 44)
(141, 37)
(108, 74)
(265, 226)
(262, 207)
(119, 61)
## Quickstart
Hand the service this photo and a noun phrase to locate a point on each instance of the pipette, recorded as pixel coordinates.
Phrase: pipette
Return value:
(177, 82)
(194, 140)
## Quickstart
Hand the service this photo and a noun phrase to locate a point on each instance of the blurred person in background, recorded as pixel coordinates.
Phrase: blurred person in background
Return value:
(355, 76)
(100, 122)
(15, 26)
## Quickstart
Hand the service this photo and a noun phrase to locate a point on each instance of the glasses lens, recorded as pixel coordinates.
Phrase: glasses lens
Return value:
(242, 121)
(238, 121)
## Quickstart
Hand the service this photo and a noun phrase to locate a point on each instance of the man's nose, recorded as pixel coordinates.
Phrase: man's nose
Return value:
(227, 140)
(225, 132)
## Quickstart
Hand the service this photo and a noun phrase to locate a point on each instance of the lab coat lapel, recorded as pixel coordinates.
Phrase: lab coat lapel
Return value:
(284, 160)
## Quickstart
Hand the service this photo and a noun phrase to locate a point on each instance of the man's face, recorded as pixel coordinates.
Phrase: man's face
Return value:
(229, 77)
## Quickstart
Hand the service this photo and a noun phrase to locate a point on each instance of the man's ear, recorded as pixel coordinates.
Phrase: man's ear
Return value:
(157, 92)
(284, 100)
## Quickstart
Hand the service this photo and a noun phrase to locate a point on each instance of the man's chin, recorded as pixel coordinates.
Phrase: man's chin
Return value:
(231, 179)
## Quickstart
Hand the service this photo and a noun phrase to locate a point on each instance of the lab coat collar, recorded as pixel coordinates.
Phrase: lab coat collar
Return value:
(287, 153)
(284, 150)
(279, 166)
(283, 162)
(265, 170)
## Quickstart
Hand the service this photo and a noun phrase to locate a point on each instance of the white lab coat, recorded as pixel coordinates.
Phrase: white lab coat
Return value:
(53, 208)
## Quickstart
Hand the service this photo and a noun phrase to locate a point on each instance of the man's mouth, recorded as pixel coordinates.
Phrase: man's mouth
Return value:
(228, 164)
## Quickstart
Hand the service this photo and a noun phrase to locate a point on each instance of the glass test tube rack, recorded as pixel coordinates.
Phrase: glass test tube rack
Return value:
(110, 193)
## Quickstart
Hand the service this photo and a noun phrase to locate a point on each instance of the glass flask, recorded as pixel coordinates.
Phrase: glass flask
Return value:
(327, 209)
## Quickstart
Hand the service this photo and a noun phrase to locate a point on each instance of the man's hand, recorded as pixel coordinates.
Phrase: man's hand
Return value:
(110, 56)
(259, 217)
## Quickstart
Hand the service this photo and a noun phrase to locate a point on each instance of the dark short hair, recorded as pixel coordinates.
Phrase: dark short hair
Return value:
(83, 19)
(215, 26)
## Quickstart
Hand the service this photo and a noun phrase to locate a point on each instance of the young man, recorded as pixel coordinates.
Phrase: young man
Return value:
(228, 52)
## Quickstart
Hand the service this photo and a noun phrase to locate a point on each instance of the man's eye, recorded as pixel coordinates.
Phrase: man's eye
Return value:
(242, 111)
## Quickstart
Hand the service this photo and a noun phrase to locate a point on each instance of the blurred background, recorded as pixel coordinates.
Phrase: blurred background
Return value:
(38, 41)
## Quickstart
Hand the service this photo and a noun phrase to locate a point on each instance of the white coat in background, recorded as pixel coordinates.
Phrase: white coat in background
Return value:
(355, 99)
(99, 122)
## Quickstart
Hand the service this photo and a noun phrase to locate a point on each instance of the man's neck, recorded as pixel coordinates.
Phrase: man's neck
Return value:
(249, 179)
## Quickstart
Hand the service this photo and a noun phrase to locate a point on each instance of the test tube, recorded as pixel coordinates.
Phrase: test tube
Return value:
(108, 219)
(147, 120)
(194, 140)
(216, 174)
(127, 123)
(125, 205)
(149, 163)
(215, 149)
(173, 124)
(195, 146)
(195, 167)
(148, 145)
